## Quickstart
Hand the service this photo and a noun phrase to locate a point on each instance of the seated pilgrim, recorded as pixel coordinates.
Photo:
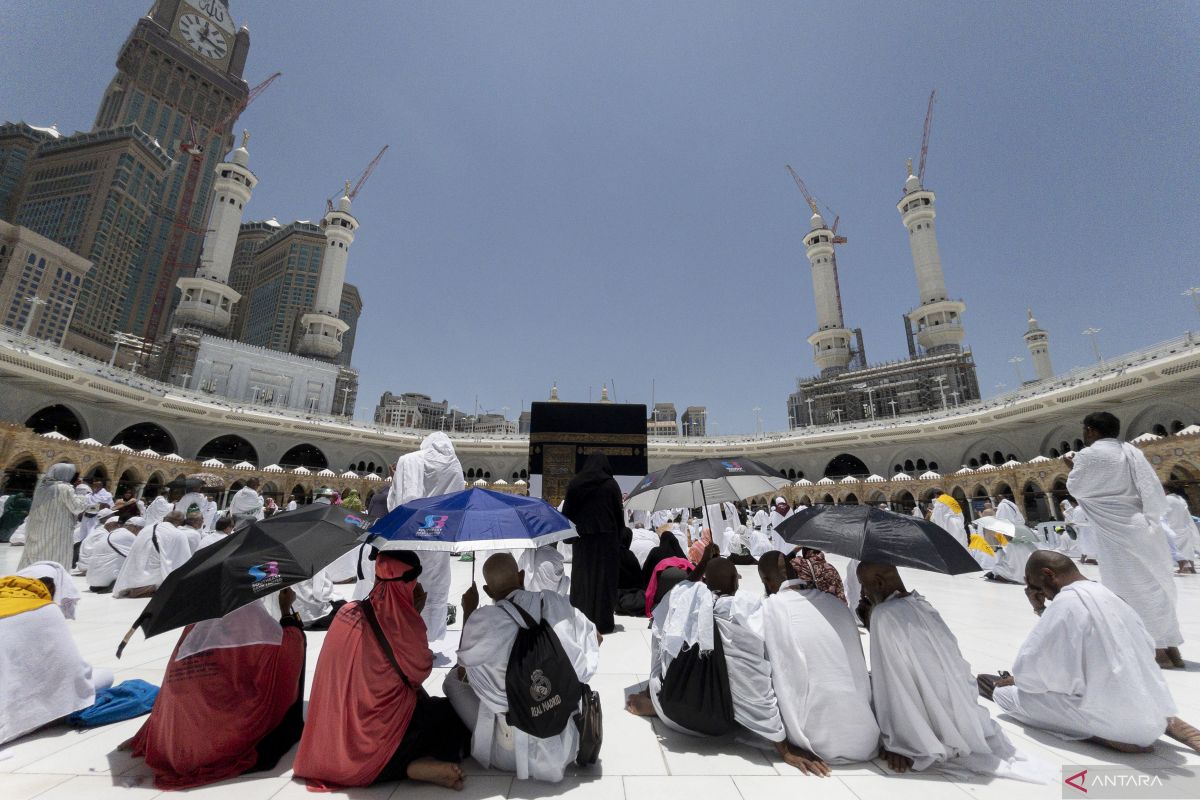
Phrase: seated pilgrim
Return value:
(668, 547)
(43, 678)
(369, 720)
(158, 550)
(631, 592)
(231, 700)
(105, 549)
(925, 697)
(222, 527)
(476, 686)
(1085, 671)
(692, 614)
(817, 666)
(544, 568)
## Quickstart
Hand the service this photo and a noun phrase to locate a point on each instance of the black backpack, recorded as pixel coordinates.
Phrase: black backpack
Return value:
(542, 687)
(695, 691)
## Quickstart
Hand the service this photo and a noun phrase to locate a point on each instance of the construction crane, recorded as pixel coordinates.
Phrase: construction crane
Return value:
(352, 192)
(808, 198)
(192, 147)
(925, 138)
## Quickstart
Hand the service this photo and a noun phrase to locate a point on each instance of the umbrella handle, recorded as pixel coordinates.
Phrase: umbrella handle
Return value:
(128, 636)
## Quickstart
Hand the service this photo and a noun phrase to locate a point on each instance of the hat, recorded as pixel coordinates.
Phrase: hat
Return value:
(778, 500)
(107, 516)
(138, 521)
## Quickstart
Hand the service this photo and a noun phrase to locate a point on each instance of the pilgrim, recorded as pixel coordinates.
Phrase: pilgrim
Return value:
(50, 525)
(593, 503)
(158, 550)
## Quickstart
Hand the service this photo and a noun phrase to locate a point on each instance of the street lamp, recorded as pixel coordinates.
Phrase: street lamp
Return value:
(941, 382)
(1194, 293)
(1091, 332)
(809, 400)
(345, 397)
(838, 412)
(1016, 362)
(757, 421)
(892, 403)
(34, 301)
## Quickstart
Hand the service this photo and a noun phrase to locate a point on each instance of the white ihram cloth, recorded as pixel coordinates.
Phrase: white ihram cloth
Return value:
(1086, 541)
(244, 626)
(50, 524)
(916, 511)
(1011, 559)
(66, 593)
(108, 555)
(760, 519)
(544, 570)
(157, 510)
(245, 504)
(148, 565)
(643, 542)
(690, 616)
(944, 517)
(1086, 670)
(1007, 510)
(717, 517)
(926, 699)
(193, 499)
(429, 472)
(1181, 528)
(777, 518)
(1117, 488)
(314, 597)
(819, 674)
(487, 640)
(42, 675)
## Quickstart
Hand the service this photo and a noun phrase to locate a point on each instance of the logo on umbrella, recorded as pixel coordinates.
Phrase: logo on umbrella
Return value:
(433, 527)
(732, 466)
(265, 575)
(353, 520)
(649, 479)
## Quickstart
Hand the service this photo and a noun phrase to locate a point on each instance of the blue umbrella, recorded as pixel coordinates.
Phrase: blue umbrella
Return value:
(476, 519)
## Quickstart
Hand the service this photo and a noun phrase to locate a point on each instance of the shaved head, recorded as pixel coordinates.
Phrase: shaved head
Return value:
(501, 576)
(721, 576)
(1047, 572)
(774, 568)
(879, 581)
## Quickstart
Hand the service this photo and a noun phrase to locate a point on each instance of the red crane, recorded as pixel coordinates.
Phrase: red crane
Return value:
(352, 192)
(925, 138)
(194, 149)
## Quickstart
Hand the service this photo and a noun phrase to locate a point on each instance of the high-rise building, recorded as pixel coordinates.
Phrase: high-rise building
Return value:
(94, 194)
(242, 269)
(694, 421)
(18, 146)
(179, 70)
(39, 283)
(283, 286)
(411, 410)
(663, 421)
(351, 309)
(1038, 342)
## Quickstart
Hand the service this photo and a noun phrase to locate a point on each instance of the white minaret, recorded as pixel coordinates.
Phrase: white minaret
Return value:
(322, 336)
(831, 342)
(1038, 342)
(208, 301)
(938, 320)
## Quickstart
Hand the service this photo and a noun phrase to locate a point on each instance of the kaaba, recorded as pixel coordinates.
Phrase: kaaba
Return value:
(563, 435)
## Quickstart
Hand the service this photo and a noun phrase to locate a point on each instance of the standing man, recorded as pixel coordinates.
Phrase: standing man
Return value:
(247, 504)
(1007, 510)
(431, 471)
(1120, 493)
(593, 503)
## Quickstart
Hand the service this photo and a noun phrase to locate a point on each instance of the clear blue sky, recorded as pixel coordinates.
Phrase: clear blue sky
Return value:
(592, 192)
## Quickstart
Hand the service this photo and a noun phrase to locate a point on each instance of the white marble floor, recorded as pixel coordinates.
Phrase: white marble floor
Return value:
(640, 759)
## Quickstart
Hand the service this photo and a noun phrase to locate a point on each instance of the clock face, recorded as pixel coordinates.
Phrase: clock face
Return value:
(202, 36)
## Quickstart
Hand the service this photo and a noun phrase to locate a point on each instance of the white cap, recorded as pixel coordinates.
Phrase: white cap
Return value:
(778, 500)
(138, 521)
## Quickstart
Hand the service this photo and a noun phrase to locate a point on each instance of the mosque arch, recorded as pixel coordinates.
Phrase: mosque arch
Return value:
(845, 464)
(876, 498)
(154, 486)
(229, 448)
(144, 435)
(1033, 502)
(299, 494)
(97, 472)
(903, 501)
(806, 500)
(129, 481)
(22, 475)
(304, 455)
(850, 499)
(58, 418)
(980, 491)
(989, 450)
(1002, 490)
(791, 474)
(827, 499)
(1162, 415)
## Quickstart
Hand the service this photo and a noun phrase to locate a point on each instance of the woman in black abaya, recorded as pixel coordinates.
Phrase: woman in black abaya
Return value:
(593, 503)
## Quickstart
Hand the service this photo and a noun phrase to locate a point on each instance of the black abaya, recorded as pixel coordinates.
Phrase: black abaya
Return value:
(593, 503)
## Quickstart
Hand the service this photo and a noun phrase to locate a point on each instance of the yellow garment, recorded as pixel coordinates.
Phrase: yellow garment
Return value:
(950, 502)
(18, 595)
(979, 543)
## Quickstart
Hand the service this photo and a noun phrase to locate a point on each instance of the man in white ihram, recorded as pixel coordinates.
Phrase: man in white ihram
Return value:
(1007, 510)
(1085, 670)
(431, 471)
(1120, 493)
(158, 550)
(1182, 533)
(247, 504)
(476, 687)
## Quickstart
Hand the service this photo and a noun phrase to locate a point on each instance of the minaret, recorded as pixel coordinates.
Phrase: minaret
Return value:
(938, 320)
(323, 329)
(604, 394)
(554, 393)
(831, 342)
(1038, 342)
(208, 300)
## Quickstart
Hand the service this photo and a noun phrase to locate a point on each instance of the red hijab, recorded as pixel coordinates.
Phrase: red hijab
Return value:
(359, 708)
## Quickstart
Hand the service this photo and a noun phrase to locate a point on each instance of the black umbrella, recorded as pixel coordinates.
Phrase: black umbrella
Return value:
(704, 481)
(258, 559)
(883, 537)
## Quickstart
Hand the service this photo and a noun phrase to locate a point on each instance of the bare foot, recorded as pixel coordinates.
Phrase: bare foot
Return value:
(1176, 657)
(640, 705)
(1180, 731)
(1163, 659)
(442, 773)
(1121, 747)
(897, 762)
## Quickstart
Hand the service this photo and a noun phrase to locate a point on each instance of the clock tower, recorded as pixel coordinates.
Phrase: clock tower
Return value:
(179, 69)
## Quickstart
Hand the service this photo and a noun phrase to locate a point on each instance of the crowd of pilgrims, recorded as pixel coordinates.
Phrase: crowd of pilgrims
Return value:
(786, 668)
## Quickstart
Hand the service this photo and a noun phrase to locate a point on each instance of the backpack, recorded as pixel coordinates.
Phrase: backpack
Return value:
(541, 685)
(695, 691)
